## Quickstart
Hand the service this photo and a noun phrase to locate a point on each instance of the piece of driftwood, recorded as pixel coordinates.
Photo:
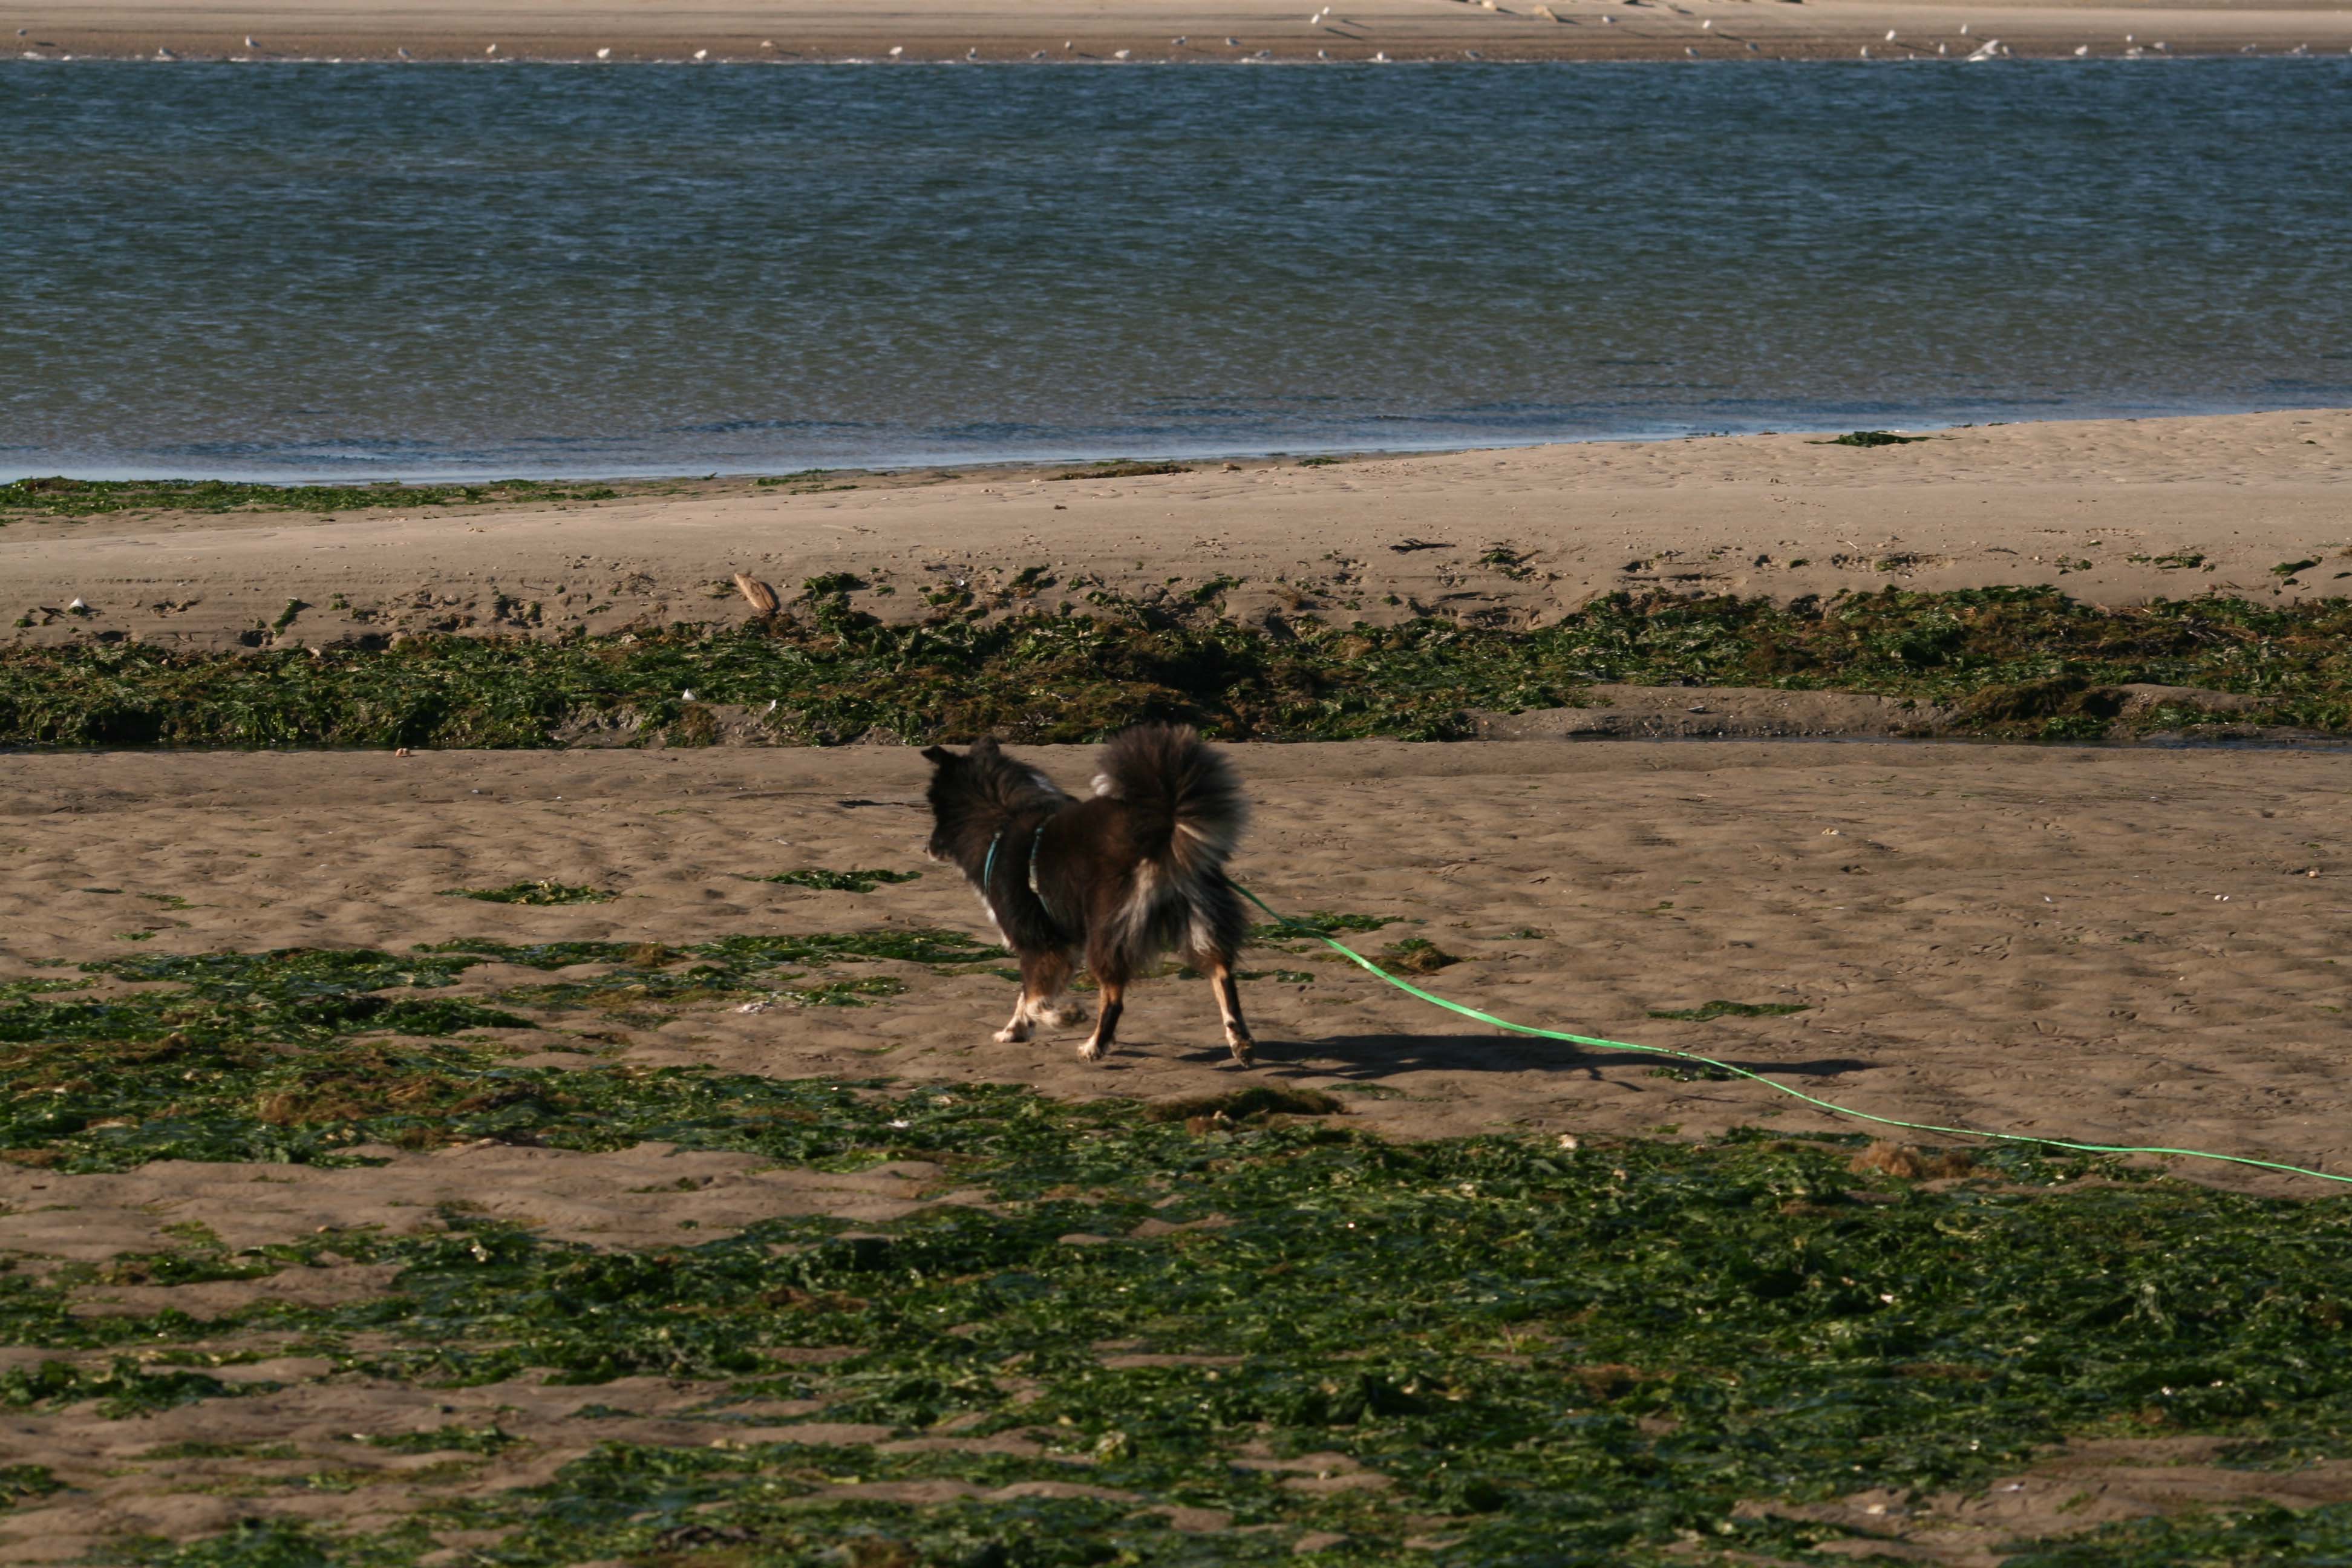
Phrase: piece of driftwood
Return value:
(763, 598)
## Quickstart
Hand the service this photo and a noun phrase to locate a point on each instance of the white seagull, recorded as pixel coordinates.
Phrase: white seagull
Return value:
(898, 49)
(606, 53)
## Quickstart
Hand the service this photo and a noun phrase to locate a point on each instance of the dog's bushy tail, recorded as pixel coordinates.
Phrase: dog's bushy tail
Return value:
(1186, 807)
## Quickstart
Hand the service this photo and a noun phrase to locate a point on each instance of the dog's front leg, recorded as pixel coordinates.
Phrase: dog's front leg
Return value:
(1013, 1033)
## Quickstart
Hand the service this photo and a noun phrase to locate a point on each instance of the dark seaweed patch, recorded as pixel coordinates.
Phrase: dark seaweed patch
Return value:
(57, 497)
(543, 892)
(835, 675)
(1870, 438)
(840, 881)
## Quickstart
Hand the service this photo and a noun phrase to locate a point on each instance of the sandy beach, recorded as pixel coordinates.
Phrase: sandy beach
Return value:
(2118, 945)
(2112, 512)
(1173, 30)
(2112, 945)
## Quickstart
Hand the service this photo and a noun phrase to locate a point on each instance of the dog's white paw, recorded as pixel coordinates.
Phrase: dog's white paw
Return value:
(1011, 1033)
(1241, 1046)
(1092, 1050)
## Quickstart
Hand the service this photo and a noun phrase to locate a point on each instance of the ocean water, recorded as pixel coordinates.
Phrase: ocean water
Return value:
(283, 271)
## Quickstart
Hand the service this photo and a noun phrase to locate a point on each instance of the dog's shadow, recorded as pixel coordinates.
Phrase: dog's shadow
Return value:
(1369, 1057)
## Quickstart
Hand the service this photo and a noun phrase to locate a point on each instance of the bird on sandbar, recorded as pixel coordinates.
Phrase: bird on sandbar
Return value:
(606, 53)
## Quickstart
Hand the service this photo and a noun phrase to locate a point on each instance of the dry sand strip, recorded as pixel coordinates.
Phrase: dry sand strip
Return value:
(2111, 512)
(2143, 947)
(1177, 31)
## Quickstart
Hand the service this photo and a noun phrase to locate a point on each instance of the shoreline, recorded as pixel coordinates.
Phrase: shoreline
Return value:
(1260, 31)
(920, 468)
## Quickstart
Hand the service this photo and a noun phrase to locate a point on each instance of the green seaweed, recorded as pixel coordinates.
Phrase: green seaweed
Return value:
(57, 497)
(1120, 468)
(121, 1387)
(2024, 662)
(198, 1067)
(1870, 438)
(546, 890)
(839, 881)
(1552, 1354)
(18, 1482)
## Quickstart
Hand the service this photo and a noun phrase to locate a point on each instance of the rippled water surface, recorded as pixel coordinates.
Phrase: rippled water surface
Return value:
(428, 270)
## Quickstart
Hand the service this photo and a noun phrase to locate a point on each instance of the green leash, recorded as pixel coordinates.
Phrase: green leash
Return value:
(1357, 959)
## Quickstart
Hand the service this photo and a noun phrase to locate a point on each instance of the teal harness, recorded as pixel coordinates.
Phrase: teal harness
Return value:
(988, 868)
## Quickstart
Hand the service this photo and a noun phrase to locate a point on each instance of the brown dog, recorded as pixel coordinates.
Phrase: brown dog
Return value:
(1112, 881)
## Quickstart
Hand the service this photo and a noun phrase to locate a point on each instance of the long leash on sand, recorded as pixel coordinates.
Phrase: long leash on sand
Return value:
(1407, 987)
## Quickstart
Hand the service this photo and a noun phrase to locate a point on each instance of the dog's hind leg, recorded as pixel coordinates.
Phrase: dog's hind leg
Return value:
(1098, 1044)
(1110, 973)
(1220, 971)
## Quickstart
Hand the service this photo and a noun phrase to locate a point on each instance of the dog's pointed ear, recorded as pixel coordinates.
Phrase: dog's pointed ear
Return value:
(937, 756)
(985, 744)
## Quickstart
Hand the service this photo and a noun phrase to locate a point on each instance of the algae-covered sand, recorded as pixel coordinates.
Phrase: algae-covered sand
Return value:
(593, 1149)
(676, 1205)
